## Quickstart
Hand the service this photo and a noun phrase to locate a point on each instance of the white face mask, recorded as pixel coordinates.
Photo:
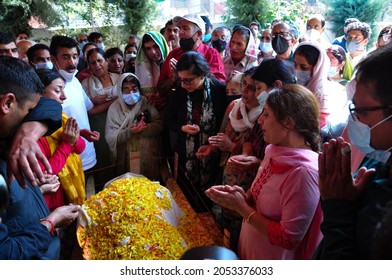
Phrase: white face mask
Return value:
(303, 77)
(129, 56)
(262, 98)
(66, 75)
(353, 46)
(332, 71)
(131, 98)
(359, 134)
(265, 47)
(48, 65)
(101, 46)
(312, 35)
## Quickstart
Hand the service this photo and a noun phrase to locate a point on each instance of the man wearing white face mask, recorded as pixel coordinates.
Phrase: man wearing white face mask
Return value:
(65, 55)
(353, 206)
(96, 38)
(358, 34)
(39, 57)
(265, 45)
(315, 27)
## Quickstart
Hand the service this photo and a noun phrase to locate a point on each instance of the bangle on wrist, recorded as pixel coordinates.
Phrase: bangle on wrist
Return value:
(249, 216)
(51, 224)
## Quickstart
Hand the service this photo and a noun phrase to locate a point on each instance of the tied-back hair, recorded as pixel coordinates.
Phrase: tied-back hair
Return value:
(112, 51)
(48, 76)
(273, 69)
(194, 62)
(96, 50)
(297, 103)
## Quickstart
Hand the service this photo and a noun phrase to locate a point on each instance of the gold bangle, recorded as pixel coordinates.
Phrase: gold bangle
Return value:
(250, 215)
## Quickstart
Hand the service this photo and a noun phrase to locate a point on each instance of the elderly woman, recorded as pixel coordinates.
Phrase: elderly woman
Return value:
(281, 211)
(99, 88)
(195, 113)
(132, 129)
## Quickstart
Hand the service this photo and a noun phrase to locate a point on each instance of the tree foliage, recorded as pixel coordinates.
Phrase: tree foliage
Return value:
(365, 10)
(15, 14)
(265, 11)
(135, 16)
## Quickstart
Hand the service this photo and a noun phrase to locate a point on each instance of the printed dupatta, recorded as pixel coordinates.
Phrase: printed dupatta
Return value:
(207, 129)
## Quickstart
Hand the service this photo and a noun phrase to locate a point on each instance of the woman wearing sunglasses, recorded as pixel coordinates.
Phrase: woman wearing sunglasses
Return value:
(194, 113)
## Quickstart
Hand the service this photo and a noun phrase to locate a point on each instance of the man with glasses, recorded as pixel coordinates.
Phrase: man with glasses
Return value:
(265, 46)
(384, 37)
(283, 40)
(353, 206)
(358, 34)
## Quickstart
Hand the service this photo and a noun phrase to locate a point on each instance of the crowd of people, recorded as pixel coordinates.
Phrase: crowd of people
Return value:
(283, 137)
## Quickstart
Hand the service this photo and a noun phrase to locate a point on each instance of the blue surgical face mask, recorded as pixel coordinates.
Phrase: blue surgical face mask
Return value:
(101, 46)
(303, 77)
(48, 65)
(360, 134)
(265, 47)
(131, 98)
(262, 98)
(207, 37)
(332, 71)
(82, 44)
(353, 46)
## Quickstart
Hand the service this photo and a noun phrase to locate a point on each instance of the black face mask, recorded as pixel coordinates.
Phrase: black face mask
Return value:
(187, 44)
(219, 45)
(280, 45)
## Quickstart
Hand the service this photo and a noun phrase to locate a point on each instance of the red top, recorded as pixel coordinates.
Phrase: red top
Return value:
(210, 54)
(57, 162)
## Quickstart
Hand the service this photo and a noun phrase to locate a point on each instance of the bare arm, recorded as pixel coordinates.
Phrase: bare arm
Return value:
(25, 154)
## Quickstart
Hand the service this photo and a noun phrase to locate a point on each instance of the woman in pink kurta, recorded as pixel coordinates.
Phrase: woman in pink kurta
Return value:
(281, 211)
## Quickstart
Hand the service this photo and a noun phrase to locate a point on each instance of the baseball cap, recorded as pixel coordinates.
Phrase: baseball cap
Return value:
(194, 18)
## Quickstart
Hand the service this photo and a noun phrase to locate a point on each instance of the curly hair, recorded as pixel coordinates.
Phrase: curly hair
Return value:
(361, 26)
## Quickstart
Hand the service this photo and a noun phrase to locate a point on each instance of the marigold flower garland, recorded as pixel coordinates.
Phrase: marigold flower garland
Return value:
(127, 221)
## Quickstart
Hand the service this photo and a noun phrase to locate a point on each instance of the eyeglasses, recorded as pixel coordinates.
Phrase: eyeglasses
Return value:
(386, 37)
(360, 110)
(285, 35)
(130, 89)
(187, 81)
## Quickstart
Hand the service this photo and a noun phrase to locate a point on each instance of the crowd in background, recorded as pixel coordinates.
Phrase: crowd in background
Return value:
(237, 116)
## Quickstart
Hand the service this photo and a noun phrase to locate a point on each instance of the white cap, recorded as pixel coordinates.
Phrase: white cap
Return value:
(194, 18)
